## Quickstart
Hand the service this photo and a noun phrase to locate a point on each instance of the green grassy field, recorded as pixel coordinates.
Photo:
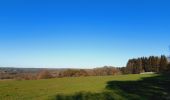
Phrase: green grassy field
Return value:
(49, 88)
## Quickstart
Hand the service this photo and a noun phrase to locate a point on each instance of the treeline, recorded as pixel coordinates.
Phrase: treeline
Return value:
(103, 71)
(147, 64)
(52, 73)
(134, 66)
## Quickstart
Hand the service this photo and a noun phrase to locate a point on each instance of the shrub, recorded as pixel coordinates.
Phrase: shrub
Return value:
(44, 74)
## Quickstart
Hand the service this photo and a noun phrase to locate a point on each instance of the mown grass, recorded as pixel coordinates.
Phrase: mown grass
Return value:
(93, 87)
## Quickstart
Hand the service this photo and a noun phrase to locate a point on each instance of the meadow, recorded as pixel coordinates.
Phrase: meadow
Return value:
(84, 88)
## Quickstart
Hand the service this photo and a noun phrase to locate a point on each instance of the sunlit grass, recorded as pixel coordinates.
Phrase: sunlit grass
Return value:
(44, 89)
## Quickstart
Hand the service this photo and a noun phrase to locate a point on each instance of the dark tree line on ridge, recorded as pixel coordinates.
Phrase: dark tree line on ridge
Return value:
(147, 64)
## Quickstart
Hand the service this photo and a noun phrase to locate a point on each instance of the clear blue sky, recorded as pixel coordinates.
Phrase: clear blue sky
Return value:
(81, 33)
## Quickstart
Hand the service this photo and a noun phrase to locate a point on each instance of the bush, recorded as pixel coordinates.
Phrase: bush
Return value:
(44, 74)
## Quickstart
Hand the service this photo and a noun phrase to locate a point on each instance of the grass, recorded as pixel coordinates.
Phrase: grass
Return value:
(94, 87)
(147, 88)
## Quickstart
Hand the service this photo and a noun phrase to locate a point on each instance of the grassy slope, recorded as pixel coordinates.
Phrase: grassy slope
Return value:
(43, 89)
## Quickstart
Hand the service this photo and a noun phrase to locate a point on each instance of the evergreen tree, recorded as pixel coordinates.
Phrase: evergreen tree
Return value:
(163, 63)
(147, 64)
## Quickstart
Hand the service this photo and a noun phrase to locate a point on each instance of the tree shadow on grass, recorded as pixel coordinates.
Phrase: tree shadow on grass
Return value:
(152, 88)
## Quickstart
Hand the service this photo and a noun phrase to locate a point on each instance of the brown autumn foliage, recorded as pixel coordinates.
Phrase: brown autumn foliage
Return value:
(44, 74)
(54, 73)
(73, 73)
(103, 71)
